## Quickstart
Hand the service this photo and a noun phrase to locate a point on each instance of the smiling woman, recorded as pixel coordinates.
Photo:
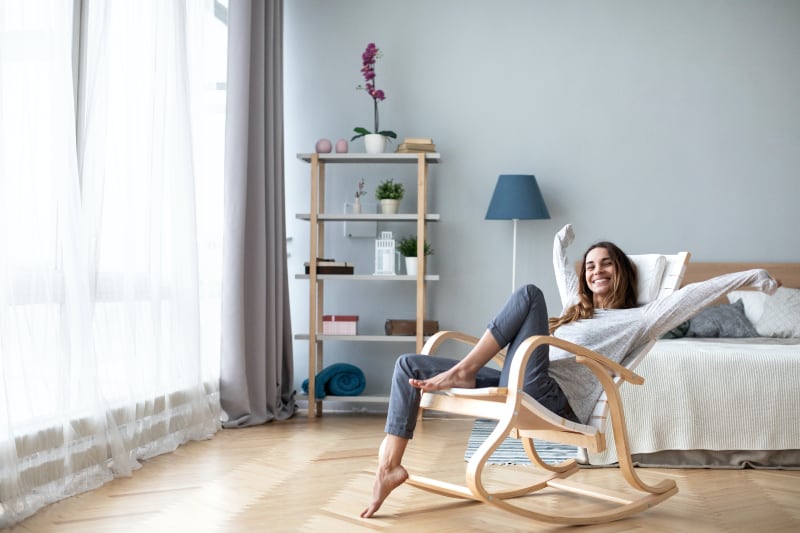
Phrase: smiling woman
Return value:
(553, 373)
(599, 273)
(606, 279)
(610, 276)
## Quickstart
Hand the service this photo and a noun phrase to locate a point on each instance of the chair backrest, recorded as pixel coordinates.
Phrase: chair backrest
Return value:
(674, 271)
(659, 275)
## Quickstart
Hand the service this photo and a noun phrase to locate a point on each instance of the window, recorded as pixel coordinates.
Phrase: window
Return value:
(111, 175)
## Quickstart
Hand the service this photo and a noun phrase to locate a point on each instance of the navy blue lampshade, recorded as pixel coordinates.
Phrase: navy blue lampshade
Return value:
(517, 196)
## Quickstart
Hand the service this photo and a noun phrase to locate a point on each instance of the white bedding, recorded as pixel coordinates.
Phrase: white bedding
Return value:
(713, 394)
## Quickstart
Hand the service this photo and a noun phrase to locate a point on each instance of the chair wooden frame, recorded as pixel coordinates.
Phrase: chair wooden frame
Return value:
(520, 416)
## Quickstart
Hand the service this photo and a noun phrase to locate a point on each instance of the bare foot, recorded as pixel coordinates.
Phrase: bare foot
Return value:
(386, 480)
(446, 380)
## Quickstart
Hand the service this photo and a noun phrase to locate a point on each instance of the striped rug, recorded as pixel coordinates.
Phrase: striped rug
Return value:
(511, 452)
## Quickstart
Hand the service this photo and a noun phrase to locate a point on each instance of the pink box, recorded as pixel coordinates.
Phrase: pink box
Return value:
(340, 325)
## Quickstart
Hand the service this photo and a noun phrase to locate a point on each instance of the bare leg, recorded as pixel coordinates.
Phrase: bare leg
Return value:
(462, 375)
(390, 474)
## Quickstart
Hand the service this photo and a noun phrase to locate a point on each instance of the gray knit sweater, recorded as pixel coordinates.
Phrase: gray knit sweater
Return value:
(617, 333)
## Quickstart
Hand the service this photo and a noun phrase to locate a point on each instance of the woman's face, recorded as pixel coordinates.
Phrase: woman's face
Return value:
(599, 273)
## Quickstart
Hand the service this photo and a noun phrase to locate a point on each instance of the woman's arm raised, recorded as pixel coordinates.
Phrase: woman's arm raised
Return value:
(566, 279)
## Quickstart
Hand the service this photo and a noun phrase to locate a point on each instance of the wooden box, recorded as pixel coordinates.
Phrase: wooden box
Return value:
(395, 326)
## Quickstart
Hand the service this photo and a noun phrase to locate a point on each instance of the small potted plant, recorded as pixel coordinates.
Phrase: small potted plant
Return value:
(407, 246)
(389, 193)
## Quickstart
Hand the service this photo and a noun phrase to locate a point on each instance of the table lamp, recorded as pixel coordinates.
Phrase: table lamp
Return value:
(516, 197)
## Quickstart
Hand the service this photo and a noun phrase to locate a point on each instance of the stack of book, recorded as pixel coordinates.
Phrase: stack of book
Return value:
(416, 144)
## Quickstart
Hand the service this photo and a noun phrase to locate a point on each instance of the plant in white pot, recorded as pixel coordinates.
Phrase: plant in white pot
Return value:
(407, 246)
(389, 193)
(374, 141)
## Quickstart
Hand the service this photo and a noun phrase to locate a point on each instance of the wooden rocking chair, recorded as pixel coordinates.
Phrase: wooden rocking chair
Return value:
(519, 416)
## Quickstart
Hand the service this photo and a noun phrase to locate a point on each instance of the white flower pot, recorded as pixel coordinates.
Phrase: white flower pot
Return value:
(389, 207)
(374, 143)
(411, 266)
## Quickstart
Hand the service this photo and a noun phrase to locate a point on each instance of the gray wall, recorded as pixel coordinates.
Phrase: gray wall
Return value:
(662, 126)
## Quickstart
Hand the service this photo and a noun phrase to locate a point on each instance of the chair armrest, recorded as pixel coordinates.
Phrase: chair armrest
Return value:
(581, 353)
(614, 367)
(439, 338)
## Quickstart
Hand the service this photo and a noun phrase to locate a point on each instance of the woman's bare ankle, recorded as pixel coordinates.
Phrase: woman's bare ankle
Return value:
(463, 378)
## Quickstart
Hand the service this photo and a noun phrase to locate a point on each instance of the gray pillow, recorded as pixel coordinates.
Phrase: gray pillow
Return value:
(726, 320)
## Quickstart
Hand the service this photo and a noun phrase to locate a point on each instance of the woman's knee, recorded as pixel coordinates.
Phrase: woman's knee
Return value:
(406, 365)
(532, 292)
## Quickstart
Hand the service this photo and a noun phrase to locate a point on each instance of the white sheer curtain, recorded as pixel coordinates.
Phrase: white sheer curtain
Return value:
(109, 343)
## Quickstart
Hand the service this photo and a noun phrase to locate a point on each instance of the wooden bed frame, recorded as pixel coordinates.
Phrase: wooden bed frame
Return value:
(787, 273)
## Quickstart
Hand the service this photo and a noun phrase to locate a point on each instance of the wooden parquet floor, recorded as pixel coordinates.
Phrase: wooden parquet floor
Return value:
(316, 475)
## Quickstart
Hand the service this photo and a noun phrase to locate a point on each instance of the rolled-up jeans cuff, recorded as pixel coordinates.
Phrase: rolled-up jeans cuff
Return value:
(400, 430)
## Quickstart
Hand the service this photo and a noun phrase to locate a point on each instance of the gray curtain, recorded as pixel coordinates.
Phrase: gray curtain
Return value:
(257, 371)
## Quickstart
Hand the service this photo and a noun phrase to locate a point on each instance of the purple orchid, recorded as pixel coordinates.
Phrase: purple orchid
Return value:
(368, 59)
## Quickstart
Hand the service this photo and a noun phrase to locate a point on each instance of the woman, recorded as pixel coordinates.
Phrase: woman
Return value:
(600, 313)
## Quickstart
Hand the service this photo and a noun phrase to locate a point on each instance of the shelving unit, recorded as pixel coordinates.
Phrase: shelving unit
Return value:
(317, 217)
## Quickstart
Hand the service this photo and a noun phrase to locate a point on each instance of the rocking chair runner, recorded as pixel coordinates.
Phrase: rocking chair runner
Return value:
(522, 417)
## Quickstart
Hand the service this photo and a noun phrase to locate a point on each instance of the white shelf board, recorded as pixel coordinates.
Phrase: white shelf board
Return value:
(401, 217)
(367, 277)
(430, 157)
(355, 399)
(359, 338)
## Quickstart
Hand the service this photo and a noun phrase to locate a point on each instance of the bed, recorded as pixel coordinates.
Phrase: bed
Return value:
(722, 402)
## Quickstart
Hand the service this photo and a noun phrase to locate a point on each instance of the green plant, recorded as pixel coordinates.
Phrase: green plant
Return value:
(389, 190)
(407, 246)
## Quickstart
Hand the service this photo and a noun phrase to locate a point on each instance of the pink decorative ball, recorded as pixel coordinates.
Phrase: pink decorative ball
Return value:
(341, 146)
(323, 146)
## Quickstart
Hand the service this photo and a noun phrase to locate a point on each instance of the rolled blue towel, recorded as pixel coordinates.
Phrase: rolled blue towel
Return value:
(338, 379)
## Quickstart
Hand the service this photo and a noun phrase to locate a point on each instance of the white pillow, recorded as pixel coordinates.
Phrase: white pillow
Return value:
(753, 302)
(781, 316)
(650, 270)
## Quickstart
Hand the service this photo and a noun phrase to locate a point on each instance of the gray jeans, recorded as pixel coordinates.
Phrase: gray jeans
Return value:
(523, 315)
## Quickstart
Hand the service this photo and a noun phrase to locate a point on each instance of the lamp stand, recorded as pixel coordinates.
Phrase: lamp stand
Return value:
(514, 259)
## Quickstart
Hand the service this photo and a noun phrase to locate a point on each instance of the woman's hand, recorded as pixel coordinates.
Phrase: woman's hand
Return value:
(766, 283)
(566, 235)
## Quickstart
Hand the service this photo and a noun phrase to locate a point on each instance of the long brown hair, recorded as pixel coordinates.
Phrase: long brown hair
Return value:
(623, 288)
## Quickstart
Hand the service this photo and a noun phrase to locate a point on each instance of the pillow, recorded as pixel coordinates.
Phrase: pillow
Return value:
(753, 303)
(781, 316)
(649, 271)
(727, 320)
(677, 332)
